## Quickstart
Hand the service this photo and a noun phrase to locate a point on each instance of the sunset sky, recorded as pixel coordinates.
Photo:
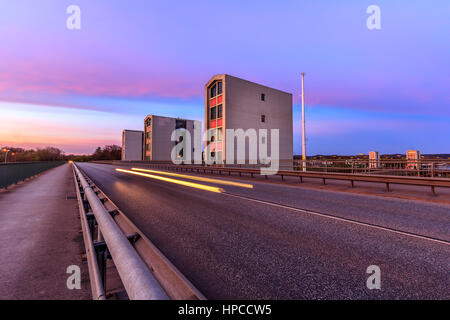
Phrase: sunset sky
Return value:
(385, 90)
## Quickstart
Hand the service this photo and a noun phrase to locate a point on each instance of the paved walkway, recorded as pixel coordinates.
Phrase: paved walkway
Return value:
(40, 237)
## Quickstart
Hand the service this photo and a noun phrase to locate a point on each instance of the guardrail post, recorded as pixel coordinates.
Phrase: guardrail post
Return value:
(387, 187)
(101, 251)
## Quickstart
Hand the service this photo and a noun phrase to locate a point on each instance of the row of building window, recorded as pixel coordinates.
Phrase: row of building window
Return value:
(216, 89)
(215, 112)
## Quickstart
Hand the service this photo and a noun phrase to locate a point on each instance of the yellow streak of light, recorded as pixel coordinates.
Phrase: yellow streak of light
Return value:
(225, 182)
(183, 183)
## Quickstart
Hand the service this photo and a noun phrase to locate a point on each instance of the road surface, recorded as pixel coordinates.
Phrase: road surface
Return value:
(286, 242)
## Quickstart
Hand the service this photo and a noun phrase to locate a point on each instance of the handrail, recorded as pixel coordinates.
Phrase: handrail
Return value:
(14, 172)
(387, 179)
(330, 175)
(137, 279)
(97, 289)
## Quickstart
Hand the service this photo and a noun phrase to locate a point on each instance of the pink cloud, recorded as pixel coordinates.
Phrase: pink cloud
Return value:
(20, 78)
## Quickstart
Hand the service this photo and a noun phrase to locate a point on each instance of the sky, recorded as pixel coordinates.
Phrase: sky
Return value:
(384, 90)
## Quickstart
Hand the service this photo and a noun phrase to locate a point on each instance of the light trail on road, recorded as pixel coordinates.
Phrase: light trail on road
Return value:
(186, 176)
(180, 182)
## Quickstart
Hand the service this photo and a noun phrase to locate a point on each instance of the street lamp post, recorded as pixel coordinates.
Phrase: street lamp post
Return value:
(6, 155)
(303, 124)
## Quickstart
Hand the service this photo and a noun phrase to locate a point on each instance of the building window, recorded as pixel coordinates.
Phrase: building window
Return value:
(213, 113)
(213, 91)
(180, 124)
(263, 140)
(219, 88)
(219, 111)
(263, 118)
(263, 97)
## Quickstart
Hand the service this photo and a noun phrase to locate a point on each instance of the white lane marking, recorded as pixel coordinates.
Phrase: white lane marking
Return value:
(330, 216)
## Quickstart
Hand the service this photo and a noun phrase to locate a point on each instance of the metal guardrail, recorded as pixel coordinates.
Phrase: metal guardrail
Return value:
(137, 279)
(396, 167)
(386, 179)
(144, 271)
(11, 173)
(95, 276)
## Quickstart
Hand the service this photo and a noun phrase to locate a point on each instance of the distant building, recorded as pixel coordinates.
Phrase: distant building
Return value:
(132, 144)
(374, 159)
(234, 103)
(412, 159)
(158, 132)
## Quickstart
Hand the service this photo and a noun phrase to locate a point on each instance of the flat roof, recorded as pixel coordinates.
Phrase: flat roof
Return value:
(252, 82)
(154, 115)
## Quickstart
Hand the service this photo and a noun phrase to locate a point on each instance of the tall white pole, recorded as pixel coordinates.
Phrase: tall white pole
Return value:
(303, 124)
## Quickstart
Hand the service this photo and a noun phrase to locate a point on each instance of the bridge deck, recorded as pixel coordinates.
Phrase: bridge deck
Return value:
(40, 238)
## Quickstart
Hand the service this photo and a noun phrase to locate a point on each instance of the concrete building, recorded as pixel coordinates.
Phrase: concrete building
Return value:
(234, 103)
(412, 159)
(374, 160)
(132, 144)
(158, 132)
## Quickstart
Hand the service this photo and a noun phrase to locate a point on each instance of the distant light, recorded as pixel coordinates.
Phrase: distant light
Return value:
(180, 182)
(224, 182)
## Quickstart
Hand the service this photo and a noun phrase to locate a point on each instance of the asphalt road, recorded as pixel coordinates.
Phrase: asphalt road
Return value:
(232, 246)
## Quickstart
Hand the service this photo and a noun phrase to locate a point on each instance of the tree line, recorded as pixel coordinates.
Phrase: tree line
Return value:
(108, 152)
